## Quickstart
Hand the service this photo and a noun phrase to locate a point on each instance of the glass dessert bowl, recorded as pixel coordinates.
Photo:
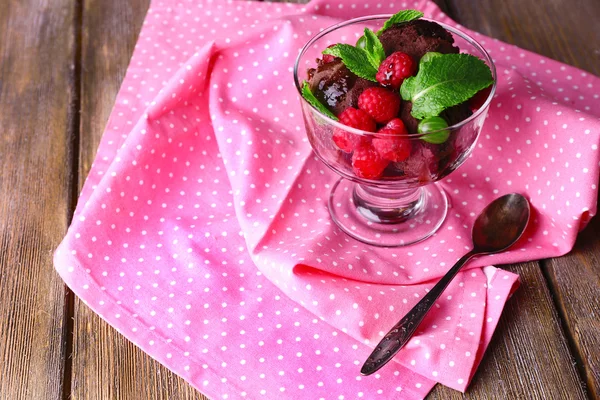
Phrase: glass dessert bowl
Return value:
(389, 163)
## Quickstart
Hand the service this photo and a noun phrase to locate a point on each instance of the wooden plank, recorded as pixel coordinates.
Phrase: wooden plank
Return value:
(559, 29)
(528, 357)
(567, 33)
(575, 279)
(37, 97)
(105, 365)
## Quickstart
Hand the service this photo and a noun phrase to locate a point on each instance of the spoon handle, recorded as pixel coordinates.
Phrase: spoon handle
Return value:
(401, 333)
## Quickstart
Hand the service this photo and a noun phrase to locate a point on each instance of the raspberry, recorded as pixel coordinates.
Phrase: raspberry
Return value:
(424, 163)
(367, 163)
(354, 118)
(392, 146)
(327, 58)
(379, 103)
(395, 69)
(358, 119)
(347, 141)
(396, 124)
(480, 97)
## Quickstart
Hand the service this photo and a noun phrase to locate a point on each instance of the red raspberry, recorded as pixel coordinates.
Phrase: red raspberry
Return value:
(395, 69)
(391, 145)
(347, 141)
(327, 58)
(354, 118)
(367, 163)
(380, 103)
(480, 97)
(358, 119)
(396, 124)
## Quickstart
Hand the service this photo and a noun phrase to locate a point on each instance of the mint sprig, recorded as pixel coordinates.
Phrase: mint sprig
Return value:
(362, 61)
(445, 81)
(401, 16)
(310, 97)
(373, 48)
(355, 59)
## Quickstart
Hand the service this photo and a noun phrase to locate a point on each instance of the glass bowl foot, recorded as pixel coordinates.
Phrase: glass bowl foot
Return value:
(385, 217)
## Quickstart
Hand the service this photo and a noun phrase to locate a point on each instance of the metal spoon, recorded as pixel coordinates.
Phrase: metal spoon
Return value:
(497, 228)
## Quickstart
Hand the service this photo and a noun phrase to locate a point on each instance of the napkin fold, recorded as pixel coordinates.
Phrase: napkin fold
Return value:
(202, 232)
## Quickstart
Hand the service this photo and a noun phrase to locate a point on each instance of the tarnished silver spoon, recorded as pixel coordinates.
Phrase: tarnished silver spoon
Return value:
(497, 228)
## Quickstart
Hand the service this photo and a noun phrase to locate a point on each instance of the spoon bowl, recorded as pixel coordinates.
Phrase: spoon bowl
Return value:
(499, 226)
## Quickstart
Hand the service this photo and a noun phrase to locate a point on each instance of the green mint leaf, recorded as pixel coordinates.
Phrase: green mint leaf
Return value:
(354, 59)
(402, 16)
(374, 48)
(310, 97)
(361, 42)
(445, 81)
(428, 57)
(407, 88)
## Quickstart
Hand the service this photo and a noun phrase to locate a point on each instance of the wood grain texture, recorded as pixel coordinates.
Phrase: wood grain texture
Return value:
(105, 365)
(528, 357)
(564, 30)
(37, 96)
(575, 279)
(567, 32)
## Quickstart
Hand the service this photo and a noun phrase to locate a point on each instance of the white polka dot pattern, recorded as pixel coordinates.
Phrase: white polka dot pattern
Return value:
(202, 233)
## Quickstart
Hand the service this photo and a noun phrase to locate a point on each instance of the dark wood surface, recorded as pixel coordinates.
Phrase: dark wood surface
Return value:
(575, 282)
(57, 87)
(36, 153)
(564, 31)
(528, 357)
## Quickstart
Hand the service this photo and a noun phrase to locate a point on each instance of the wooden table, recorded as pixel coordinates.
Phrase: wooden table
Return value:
(61, 64)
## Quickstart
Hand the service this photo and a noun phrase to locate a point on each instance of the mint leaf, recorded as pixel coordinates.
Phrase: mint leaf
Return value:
(354, 59)
(373, 48)
(428, 57)
(408, 87)
(310, 97)
(402, 16)
(445, 81)
(361, 42)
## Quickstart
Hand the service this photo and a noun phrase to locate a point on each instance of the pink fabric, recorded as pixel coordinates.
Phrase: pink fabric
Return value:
(202, 233)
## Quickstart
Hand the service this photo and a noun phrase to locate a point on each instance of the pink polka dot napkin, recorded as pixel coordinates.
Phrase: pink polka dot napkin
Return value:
(202, 233)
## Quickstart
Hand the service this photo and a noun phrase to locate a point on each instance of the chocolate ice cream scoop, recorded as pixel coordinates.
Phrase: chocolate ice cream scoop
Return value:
(416, 38)
(336, 87)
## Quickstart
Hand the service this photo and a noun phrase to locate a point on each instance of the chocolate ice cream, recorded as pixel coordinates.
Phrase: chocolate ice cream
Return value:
(416, 38)
(335, 86)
